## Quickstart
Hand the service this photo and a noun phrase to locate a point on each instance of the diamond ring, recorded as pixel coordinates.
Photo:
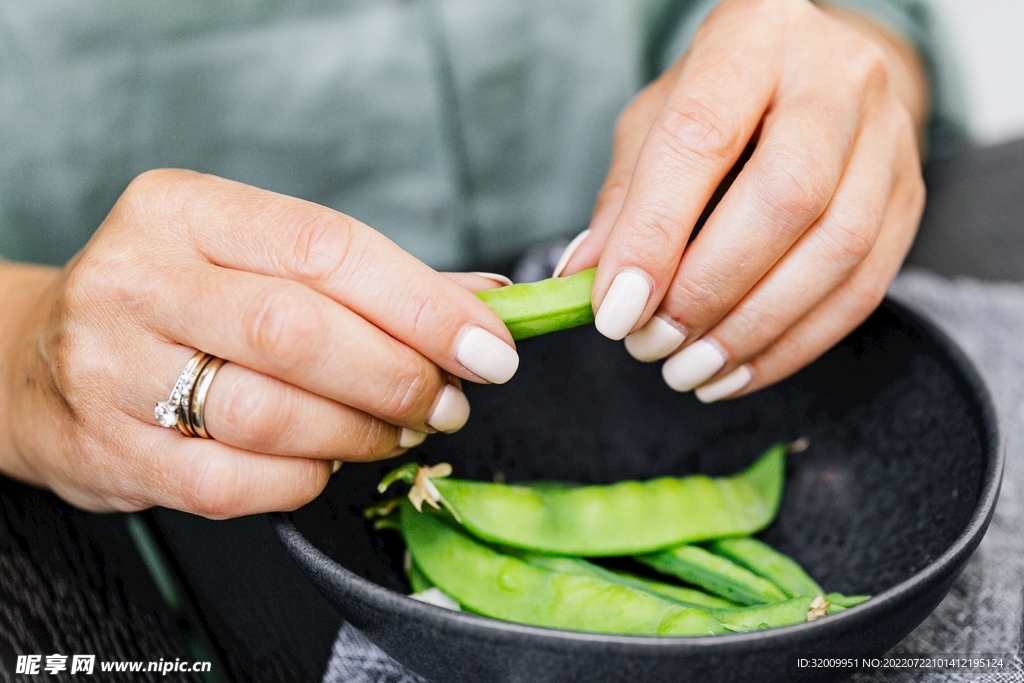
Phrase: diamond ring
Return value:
(174, 412)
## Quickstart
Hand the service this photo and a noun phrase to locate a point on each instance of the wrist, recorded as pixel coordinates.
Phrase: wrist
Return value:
(22, 287)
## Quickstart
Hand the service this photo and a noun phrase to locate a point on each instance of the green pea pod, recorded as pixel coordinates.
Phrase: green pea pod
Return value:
(536, 308)
(846, 601)
(792, 611)
(488, 582)
(768, 563)
(418, 581)
(683, 594)
(626, 518)
(575, 565)
(714, 574)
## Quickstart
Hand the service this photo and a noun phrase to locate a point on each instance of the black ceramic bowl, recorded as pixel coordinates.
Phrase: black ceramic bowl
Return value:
(893, 495)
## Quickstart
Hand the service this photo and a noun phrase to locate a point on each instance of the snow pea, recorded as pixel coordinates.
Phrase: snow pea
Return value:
(769, 563)
(534, 308)
(575, 565)
(846, 601)
(714, 574)
(485, 581)
(418, 581)
(690, 596)
(626, 518)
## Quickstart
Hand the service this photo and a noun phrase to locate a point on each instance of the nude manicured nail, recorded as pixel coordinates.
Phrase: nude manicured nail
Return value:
(451, 411)
(655, 340)
(727, 386)
(497, 277)
(410, 438)
(692, 366)
(623, 304)
(487, 356)
(335, 466)
(563, 260)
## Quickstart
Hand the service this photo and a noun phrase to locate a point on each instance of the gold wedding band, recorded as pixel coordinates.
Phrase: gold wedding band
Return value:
(184, 409)
(197, 404)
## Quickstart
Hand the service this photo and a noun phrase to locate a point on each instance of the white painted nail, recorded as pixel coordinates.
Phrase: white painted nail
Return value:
(410, 438)
(692, 366)
(563, 260)
(486, 355)
(727, 386)
(655, 340)
(335, 466)
(497, 277)
(451, 411)
(623, 304)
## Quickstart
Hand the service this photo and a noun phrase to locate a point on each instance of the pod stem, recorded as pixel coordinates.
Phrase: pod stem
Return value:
(818, 609)
(421, 489)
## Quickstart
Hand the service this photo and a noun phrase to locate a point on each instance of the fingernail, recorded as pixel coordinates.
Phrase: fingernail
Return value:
(500, 279)
(569, 251)
(623, 304)
(692, 366)
(486, 355)
(335, 466)
(655, 340)
(410, 438)
(727, 386)
(451, 411)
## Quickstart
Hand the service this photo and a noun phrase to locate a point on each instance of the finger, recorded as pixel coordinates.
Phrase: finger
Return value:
(840, 312)
(630, 131)
(478, 282)
(218, 481)
(285, 330)
(242, 228)
(781, 191)
(706, 122)
(257, 413)
(823, 257)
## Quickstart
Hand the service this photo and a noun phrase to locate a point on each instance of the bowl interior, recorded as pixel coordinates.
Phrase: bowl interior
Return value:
(892, 476)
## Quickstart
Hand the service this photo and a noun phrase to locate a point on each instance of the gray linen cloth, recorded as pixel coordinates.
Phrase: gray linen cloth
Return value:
(984, 611)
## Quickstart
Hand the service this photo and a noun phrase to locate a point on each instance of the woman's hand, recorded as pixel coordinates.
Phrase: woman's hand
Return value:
(805, 242)
(340, 346)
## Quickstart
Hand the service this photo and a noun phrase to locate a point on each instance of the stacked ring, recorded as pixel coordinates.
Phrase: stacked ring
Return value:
(184, 409)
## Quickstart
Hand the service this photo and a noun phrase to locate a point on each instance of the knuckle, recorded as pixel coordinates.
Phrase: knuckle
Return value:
(411, 394)
(699, 301)
(246, 408)
(210, 487)
(321, 242)
(851, 232)
(866, 64)
(282, 326)
(373, 439)
(696, 128)
(794, 185)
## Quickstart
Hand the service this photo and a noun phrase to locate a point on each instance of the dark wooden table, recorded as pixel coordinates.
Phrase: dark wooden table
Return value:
(73, 582)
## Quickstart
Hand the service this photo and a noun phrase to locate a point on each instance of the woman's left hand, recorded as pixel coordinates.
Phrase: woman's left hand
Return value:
(805, 242)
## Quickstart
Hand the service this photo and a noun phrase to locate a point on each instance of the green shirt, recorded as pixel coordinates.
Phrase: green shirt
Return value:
(463, 130)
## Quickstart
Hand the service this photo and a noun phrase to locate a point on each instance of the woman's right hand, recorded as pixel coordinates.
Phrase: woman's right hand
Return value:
(340, 346)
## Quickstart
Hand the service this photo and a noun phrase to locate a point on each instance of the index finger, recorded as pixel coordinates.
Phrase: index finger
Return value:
(716, 105)
(244, 228)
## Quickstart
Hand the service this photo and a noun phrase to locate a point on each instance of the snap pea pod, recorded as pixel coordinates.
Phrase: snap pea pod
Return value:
(714, 574)
(626, 518)
(769, 563)
(846, 601)
(690, 596)
(575, 565)
(488, 582)
(418, 581)
(535, 308)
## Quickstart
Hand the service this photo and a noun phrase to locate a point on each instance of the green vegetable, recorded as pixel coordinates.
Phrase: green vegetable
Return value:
(769, 563)
(485, 581)
(846, 601)
(714, 574)
(627, 518)
(559, 592)
(418, 580)
(536, 308)
(574, 565)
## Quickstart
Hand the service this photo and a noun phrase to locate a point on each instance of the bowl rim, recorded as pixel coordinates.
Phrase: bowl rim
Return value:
(313, 560)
